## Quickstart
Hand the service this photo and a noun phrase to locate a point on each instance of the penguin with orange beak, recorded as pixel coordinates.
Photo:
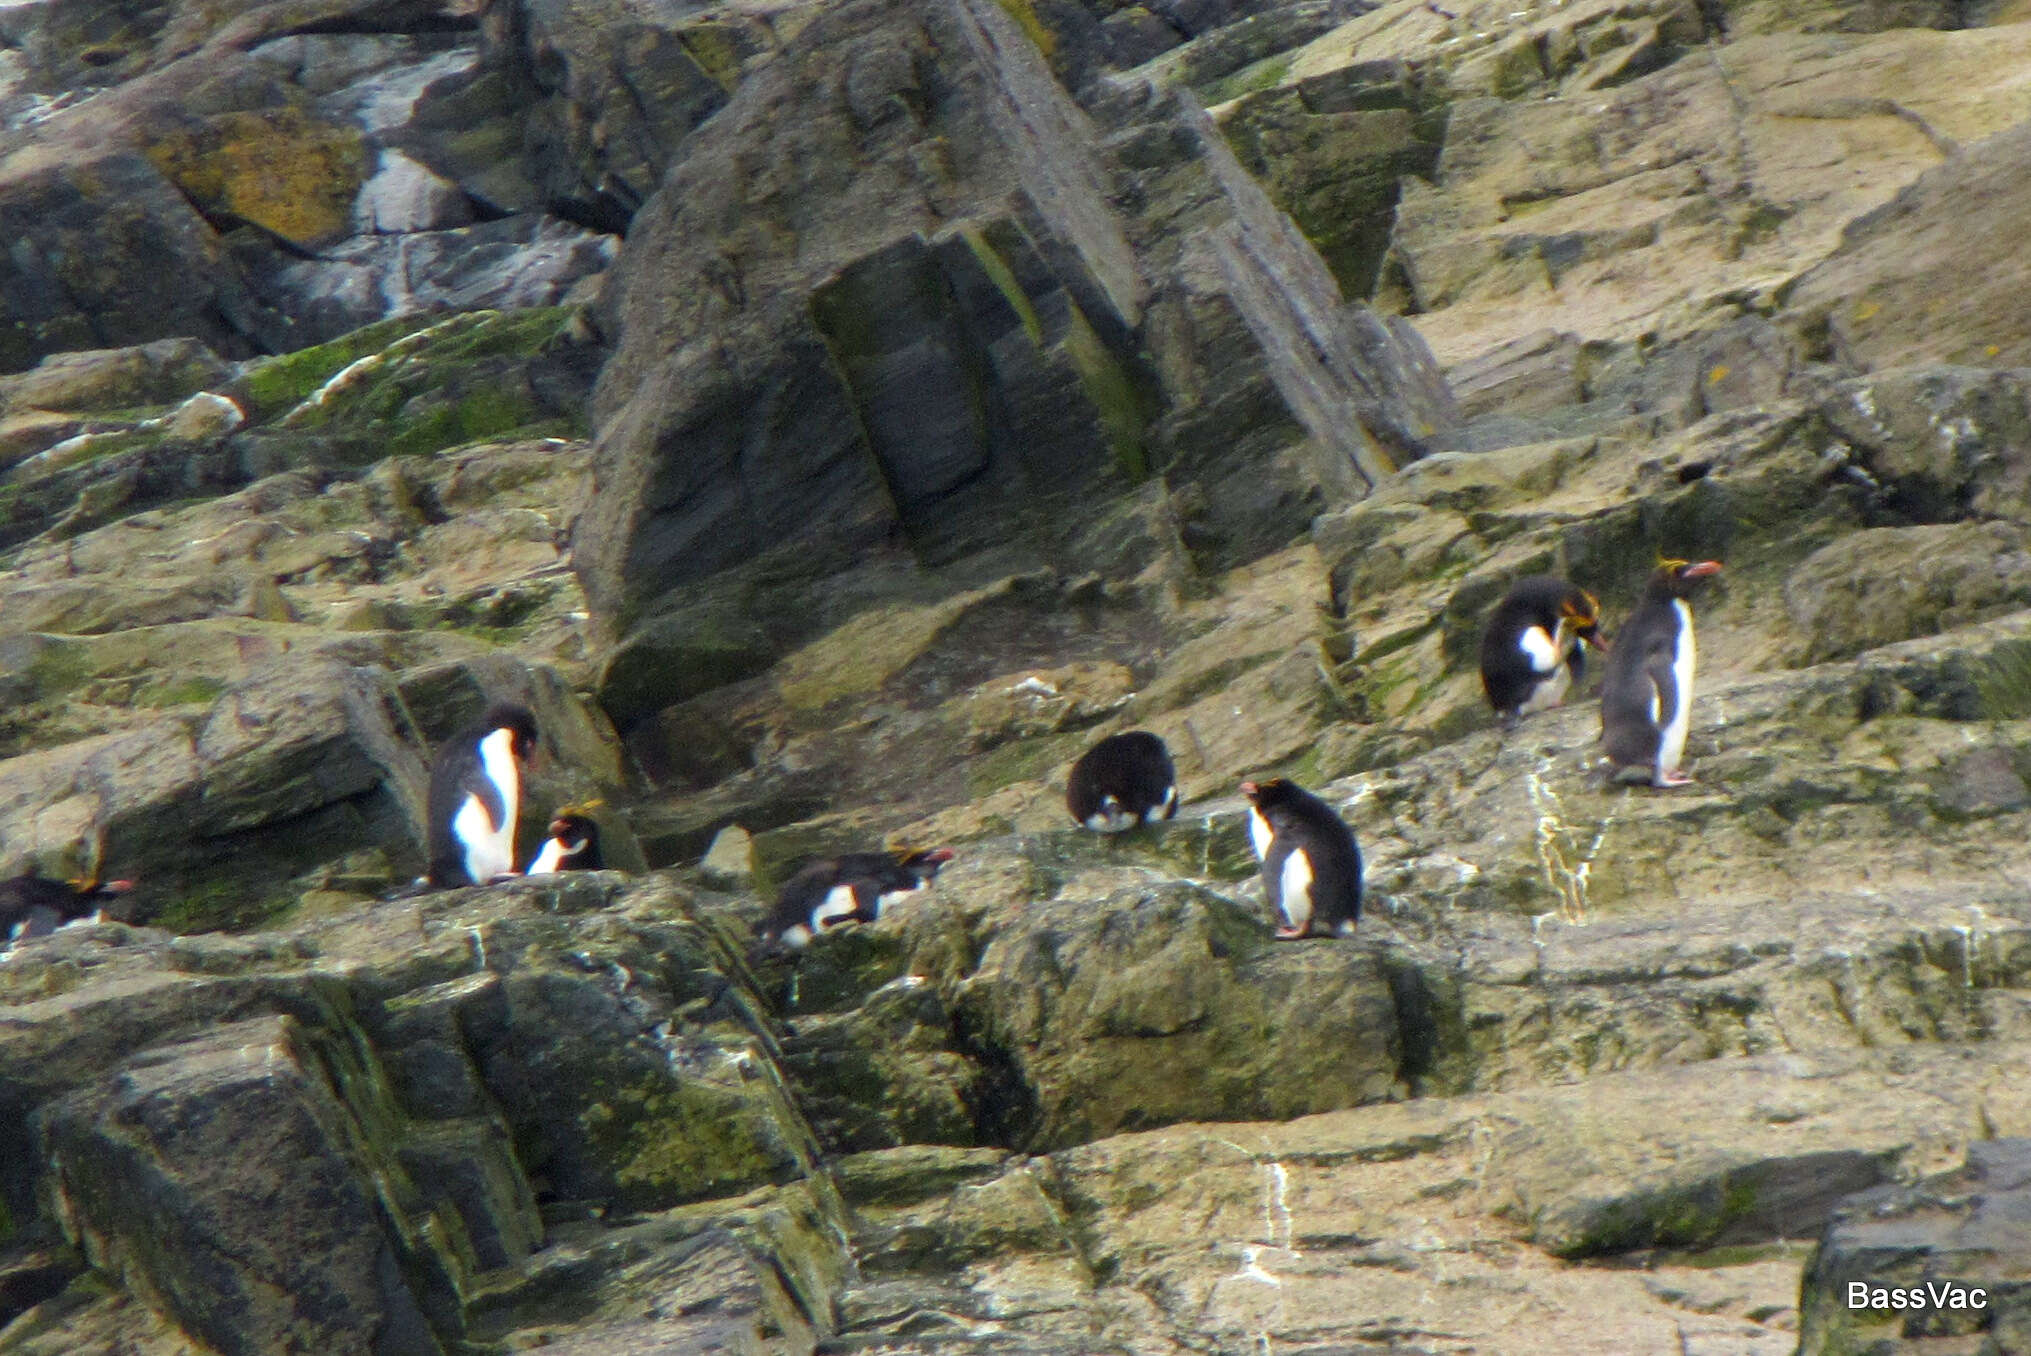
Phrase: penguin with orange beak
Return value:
(572, 844)
(31, 906)
(1533, 651)
(1310, 864)
(1647, 686)
(852, 888)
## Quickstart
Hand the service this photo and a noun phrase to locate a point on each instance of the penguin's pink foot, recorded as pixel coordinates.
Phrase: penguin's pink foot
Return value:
(1290, 933)
(1675, 777)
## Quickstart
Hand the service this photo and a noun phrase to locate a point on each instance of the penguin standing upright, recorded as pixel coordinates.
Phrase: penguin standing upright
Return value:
(573, 844)
(1647, 686)
(1311, 866)
(852, 888)
(31, 906)
(476, 797)
(1124, 780)
(1533, 649)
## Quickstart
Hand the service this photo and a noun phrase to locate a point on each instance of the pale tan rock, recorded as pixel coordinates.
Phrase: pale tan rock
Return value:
(730, 860)
(1927, 279)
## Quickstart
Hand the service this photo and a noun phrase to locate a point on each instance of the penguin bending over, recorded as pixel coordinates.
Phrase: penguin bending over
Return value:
(1311, 866)
(573, 844)
(1123, 781)
(852, 888)
(476, 797)
(31, 906)
(1647, 687)
(1532, 651)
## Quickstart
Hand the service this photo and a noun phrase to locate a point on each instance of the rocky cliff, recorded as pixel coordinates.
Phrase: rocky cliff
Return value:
(831, 417)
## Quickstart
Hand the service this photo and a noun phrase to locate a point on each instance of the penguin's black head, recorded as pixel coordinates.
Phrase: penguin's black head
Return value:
(1581, 612)
(105, 896)
(923, 861)
(517, 719)
(1678, 578)
(1274, 791)
(570, 826)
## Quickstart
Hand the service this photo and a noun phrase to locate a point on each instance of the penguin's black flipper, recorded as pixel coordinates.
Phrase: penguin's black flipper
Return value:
(1657, 667)
(478, 784)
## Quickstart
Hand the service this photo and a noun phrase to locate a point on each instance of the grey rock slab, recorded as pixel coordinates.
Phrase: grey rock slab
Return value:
(214, 1178)
(517, 261)
(1968, 1228)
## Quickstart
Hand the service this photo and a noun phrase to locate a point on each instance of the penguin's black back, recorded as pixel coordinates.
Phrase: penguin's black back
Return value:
(457, 772)
(1301, 822)
(1507, 675)
(1134, 767)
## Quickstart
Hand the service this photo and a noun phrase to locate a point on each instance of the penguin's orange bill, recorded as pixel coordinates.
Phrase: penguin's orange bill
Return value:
(1701, 570)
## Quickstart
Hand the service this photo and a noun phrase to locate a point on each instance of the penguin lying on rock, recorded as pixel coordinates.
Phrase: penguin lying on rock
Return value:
(1123, 781)
(1533, 650)
(853, 888)
(476, 797)
(31, 906)
(1647, 687)
(573, 844)
(1311, 867)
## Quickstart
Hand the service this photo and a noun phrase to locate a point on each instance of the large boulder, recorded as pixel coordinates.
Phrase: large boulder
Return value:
(107, 252)
(217, 1179)
(1602, 211)
(410, 1142)
(1076, 347)
(1915, 1254)
(1920, 280)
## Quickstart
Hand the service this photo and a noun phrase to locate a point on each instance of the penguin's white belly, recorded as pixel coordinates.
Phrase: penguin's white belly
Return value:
(839, 904)
(490, 847)
(1111, 818)
(1297, 891)
(890, 897)
(1550, 691)
(549, 858)
(1259, 833)
(489, 851)
(1541, 648)
(1671, 741)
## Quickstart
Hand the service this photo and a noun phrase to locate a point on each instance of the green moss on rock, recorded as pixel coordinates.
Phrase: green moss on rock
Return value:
(1025, 16)
(180, 692)
(419, 384)
(674, 1143)
(1260, 75)
(1113, 393)
(222, 906)
(278, 168)
(279, 384)
(1021, 760)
